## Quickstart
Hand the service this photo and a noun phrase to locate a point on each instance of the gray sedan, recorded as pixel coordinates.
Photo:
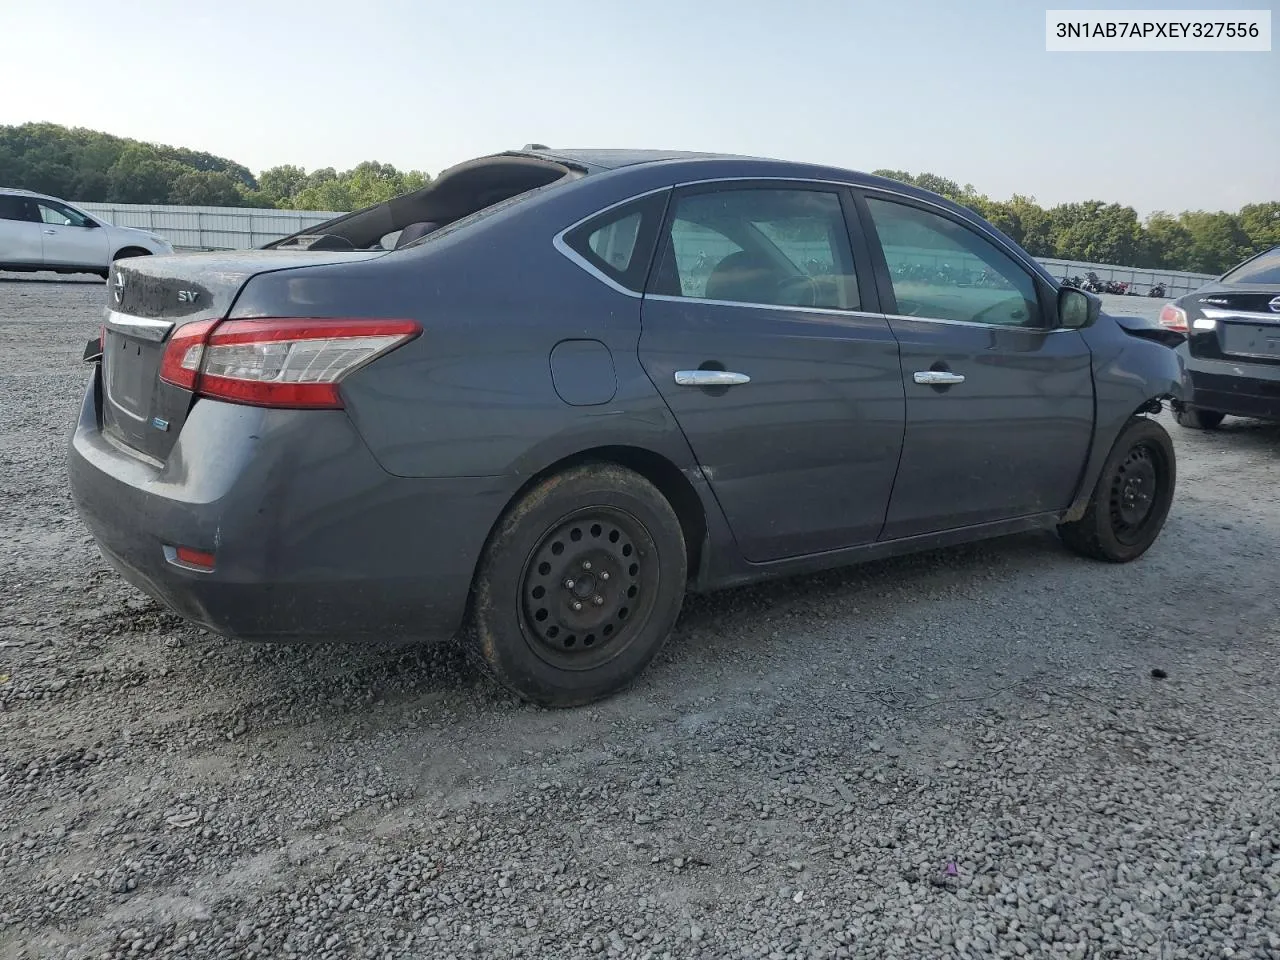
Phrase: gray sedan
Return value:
(535, 403)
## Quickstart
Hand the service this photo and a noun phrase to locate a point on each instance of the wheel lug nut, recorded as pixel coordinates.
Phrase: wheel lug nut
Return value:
(598, 600)
(586, 564)
(577, 605)
(568, 584)
(604, 574)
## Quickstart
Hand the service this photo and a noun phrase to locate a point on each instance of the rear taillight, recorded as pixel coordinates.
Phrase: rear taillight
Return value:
(277, 362)
(180, 364)
(1173, 318)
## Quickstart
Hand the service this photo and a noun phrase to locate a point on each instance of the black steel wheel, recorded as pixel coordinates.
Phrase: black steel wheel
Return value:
(1131, 499)
(579, 586)
(588, 587)
(1134, 491)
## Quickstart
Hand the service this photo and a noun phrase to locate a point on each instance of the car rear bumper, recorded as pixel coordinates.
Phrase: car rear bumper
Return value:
(1233, 387)
(312, 539)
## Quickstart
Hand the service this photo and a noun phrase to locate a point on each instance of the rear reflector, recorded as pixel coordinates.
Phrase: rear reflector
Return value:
(1173, 318)
(277, 362)
(190, 557)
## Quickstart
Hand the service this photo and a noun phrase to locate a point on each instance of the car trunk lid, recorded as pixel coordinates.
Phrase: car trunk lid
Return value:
(1241, 321)
(148, 298)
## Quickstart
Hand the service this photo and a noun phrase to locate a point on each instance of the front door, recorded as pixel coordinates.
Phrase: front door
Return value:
(999, 401)
(70, 239)
(767, 345)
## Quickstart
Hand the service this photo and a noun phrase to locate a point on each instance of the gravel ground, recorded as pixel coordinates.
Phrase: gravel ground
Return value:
(999, 750)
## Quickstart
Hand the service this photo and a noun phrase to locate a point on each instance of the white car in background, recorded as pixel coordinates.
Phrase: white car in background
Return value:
(44, 233)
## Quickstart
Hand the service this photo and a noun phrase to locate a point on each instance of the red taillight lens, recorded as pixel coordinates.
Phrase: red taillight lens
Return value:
(1174, 318)
(180, 364)
(201, 559)
(278, 362)
(102, 338)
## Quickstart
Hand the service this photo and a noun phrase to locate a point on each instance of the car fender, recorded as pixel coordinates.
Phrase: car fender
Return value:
(1132, 373)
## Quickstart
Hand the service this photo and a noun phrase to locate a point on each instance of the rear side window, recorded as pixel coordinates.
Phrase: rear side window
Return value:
(618, 243)
(771, 247)
(14, 208)
(1263, 269)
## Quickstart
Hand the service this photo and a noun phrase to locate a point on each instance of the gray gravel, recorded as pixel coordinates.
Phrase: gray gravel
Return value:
(962, 754)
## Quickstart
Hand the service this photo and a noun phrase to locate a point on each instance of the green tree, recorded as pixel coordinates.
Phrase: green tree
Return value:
(1097, 232)
(205, 188)
(282, 183)
(1261, 224)
(1217, 241)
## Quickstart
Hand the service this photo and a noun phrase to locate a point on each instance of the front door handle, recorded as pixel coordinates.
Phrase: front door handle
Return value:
(710, 378)
(937, 378)
(51, 232)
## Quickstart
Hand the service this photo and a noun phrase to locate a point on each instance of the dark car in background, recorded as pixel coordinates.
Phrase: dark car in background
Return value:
(596, 380)
(1232, 348)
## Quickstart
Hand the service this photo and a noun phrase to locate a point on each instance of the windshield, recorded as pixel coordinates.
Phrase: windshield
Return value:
(1261, 269)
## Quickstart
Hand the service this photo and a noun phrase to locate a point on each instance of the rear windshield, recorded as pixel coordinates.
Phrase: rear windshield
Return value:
(1263, 269)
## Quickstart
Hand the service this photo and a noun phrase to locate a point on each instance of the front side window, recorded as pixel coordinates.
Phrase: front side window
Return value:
(943, 270)
(773, 247)
(59, 216)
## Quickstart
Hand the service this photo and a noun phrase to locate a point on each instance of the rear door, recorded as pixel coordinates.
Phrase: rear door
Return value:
(19, 230)
(765, 340)
(70, 238)
(999, 401)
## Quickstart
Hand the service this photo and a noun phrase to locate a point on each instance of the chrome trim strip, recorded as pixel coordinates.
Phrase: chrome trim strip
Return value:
(981, 326)
(1248, 315)
(583, 263)
(144, 328)
(830, 311)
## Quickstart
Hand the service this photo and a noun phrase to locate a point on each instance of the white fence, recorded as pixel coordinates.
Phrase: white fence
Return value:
(243, 228)
(1176, 282)
(209, 228)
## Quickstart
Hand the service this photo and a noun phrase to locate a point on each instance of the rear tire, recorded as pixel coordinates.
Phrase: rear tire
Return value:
(598, 537)
(1131, 499)
(1198, 418)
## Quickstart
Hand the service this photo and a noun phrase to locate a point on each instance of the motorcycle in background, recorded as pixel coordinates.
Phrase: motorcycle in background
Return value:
(1156, 291)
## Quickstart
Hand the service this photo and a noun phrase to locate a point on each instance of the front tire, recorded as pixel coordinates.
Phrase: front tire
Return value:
(1131, 499)
(578, 587)
(1197, 418)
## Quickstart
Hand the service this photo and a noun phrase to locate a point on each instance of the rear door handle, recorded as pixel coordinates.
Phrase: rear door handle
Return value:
(937, 378)
(710, 378)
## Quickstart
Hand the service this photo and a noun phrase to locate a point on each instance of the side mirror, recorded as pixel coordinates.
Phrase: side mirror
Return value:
(91, 224)
(1077, 309)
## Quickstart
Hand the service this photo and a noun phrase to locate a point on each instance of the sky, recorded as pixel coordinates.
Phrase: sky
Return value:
(961, 88)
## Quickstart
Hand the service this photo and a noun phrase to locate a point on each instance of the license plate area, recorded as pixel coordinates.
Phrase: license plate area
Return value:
(127, 366)
(1259, 340)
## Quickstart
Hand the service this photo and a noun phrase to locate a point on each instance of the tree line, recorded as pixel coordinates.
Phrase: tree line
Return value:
(89, 166)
